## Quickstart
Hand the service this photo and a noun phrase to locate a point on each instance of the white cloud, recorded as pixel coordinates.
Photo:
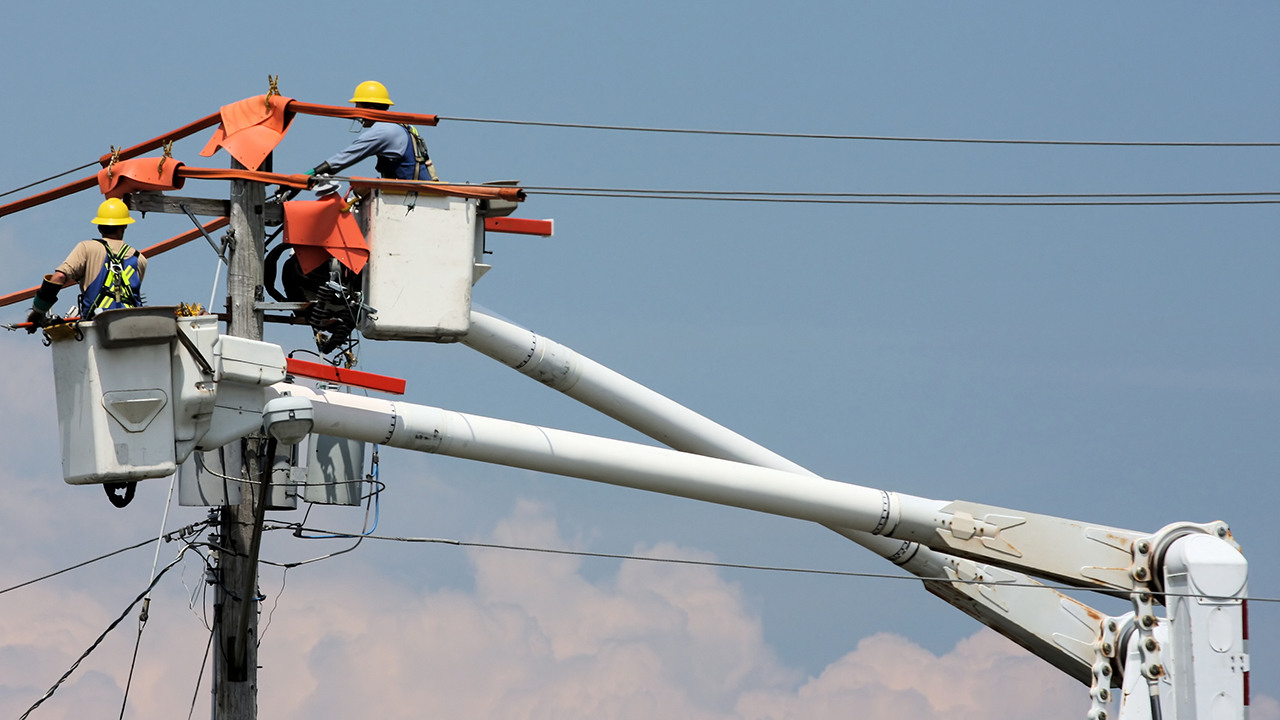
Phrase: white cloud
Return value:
(534, 639)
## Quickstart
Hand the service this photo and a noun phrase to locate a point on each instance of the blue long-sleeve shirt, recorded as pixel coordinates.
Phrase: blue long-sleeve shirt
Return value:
(388, 141)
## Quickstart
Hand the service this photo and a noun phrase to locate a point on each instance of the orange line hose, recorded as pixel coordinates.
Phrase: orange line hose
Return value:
(481, 192)
(199, 173)
(48, 195)
(192, 128)
(352, 113)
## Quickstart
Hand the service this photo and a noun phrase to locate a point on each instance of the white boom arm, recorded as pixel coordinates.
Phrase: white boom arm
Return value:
(1197, 557)
(1055, 627)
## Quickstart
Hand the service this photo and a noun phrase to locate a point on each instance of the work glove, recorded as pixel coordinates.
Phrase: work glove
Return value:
(323, 168)
(38, 319)
(431, 169)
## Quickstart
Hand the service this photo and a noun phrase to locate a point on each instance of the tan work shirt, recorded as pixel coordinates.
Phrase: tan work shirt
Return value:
(87, 258)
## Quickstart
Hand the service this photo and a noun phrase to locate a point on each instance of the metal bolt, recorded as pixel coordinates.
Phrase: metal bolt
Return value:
(1140, 573)
(1222, 531)
(1144, 547)
(1148, 621)
(1144, 598)
(1111, 625)
(1107, 648)
(1102, 715)
(1157, 670)
(1104, 695)
(1106, 671)
(1151, 644)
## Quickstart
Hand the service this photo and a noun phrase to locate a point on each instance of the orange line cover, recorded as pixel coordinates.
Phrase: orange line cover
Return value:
(482, 192)
(251, 129)
(320, 229)
(129, 176)
(352, 113)
(297, 181)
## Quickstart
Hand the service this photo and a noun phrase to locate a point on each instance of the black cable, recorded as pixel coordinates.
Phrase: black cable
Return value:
(884, 138)
(195, 693)
(51, 177)
(49, 693)
(142, 623)
(759, 193)
(734, 566)
(79, 565)
(843, 201)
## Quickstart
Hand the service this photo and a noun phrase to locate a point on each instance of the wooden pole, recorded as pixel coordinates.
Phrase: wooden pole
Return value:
(235, 693)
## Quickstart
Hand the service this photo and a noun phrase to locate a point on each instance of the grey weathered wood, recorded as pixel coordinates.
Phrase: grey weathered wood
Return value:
(160, 203)
(236, 665)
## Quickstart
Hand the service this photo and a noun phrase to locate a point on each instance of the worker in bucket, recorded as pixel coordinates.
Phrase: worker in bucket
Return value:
(109, 271)
(401, 152)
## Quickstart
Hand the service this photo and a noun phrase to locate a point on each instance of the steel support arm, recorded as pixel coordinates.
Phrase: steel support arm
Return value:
(1068, 551)
(1055, 627)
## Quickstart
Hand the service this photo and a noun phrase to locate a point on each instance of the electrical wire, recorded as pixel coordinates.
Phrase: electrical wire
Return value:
(759, 193)
(113, 553)
(880, 138)
(738, 566)
(874, 201)
(51, 177)
(195, 693)
(54, 688)
(284, 579)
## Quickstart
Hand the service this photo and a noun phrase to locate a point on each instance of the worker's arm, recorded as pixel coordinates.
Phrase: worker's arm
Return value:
(375, 138)
(45, 297)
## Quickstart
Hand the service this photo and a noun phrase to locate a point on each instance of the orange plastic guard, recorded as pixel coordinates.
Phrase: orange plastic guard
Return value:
(520, 226)
(48, 195)
(171, 243)
(362, 113)
(356, 378)
(251, 129)
(154, 143)
(320, 229)
(127, 176)
(482, 192)
(297, 181)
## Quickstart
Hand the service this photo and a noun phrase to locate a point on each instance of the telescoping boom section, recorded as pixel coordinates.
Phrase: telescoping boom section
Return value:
(140, 390)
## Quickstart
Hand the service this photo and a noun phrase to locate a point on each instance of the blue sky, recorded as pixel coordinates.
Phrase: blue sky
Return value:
(1116, 365)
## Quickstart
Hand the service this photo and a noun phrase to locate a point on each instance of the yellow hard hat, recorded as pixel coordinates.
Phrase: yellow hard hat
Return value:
(113, 212)
(371, 91)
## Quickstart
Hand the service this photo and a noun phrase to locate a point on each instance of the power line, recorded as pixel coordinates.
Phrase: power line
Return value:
(870, 201)
(710, 563)
(767, 193)
(195, 693)
(51, 177)
(881, 138)
(78, 565)
(49, 693)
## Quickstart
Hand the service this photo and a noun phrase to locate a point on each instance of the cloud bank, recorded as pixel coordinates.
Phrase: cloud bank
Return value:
(535, 638)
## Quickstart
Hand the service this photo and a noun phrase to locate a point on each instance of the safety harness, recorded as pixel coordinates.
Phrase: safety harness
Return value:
(420, 158)
(118, 284)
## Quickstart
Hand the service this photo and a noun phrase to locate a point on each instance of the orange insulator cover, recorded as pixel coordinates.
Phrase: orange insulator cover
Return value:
(320, 229)
(481, 192)
(126, 176)
(250, 129)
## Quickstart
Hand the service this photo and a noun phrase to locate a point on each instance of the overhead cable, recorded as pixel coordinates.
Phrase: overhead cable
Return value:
(51, 177)
(814, 200)
(49, 693)
(113, 553)
(767, 193)
(881, 138)
(709, 563)
(179, 533)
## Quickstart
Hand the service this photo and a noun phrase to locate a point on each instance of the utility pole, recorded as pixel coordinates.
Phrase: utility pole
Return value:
(235, 670)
